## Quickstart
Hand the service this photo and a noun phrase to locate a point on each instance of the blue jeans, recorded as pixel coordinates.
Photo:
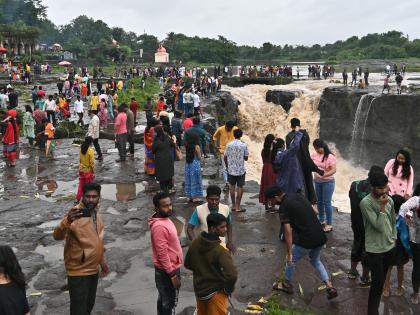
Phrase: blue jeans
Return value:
(314, 257)
(324, 192)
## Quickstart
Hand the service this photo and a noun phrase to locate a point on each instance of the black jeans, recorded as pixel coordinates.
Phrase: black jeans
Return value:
(122, 145)
(130, 138)
(378, 264)
(80, 121)
(415, 274)
(82, 290)
(97, 148)
(168, 295)
(165, 185)
(51, 116)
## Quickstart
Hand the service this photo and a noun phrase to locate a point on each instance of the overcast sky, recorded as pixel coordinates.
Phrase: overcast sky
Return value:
(249, 22)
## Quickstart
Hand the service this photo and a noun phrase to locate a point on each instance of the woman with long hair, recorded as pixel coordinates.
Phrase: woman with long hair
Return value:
(410, 212)
(193, 179)
(87, 166)
(268, 177)
(324, 185)
(149, 157)
(12, 284)
(29, 125)
(162, 149)
(400, 174)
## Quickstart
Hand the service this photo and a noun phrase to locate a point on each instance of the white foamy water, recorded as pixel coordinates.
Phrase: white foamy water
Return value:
(259, 118)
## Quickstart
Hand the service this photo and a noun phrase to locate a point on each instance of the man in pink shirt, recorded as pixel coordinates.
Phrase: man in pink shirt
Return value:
(120, 127)
(167, 254)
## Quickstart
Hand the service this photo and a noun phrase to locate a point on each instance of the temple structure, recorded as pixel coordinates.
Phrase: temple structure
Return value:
(161, 56)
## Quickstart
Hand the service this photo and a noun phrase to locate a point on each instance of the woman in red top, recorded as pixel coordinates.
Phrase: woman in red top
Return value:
(268, 177)
(160, 106)
(10, 137)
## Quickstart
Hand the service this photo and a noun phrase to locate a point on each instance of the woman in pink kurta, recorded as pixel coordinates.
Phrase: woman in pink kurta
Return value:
(400, 175)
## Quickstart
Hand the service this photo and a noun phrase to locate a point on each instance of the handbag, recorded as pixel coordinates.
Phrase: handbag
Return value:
(178, 153)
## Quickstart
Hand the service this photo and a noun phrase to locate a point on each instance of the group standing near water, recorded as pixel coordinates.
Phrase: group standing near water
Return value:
(385, 215)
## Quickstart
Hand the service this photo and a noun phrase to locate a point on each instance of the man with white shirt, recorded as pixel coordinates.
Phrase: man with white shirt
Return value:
(188, 102)
(93, 131)
(4, 99)
(197, 108)
(78, 109)
(50, 109)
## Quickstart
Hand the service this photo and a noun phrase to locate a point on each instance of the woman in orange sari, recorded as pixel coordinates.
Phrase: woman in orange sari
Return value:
(149, 157)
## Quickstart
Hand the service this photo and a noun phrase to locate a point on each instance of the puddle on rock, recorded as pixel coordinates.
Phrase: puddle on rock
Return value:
(52, 254)
(51, 189)
(121, 191)
(49, 224)
(180, 225)
(112, 211)
(133, 224)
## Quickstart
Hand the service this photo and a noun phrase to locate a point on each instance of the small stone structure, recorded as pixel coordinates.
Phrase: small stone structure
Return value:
(161, 56)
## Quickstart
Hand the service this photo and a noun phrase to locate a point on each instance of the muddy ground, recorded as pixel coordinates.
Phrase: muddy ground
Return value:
(37, 193)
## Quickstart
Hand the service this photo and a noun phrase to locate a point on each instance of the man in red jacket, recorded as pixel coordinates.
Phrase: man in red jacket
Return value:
(167, 254)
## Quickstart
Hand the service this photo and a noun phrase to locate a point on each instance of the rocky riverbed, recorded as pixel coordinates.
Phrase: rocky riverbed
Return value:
(37, 193)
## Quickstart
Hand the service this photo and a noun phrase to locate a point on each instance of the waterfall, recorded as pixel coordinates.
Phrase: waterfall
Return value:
(258, 118)
(359, 127)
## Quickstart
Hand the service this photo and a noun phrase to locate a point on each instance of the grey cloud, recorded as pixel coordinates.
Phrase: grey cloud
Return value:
(304, 22)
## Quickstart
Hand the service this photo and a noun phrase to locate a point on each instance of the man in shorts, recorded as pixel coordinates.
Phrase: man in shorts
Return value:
(236, 153)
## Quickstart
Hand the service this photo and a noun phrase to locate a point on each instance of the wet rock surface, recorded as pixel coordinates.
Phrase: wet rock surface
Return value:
(37, 193)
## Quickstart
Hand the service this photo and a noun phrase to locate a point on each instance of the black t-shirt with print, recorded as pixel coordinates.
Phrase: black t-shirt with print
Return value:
(13, 300)
(307, 230)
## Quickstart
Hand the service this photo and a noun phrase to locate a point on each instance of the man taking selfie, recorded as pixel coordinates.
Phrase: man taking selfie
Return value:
(83, 231)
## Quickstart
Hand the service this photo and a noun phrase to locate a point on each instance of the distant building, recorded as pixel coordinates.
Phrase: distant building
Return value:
(18, 41)
(161, 56)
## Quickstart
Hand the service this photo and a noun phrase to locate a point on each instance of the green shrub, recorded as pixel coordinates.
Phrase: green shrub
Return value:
(151, 89)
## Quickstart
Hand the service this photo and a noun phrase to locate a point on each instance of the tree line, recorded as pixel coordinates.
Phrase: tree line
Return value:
(91, 40)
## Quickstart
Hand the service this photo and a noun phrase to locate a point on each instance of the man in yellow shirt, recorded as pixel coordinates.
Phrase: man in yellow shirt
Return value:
(94, 101)
(221, 138)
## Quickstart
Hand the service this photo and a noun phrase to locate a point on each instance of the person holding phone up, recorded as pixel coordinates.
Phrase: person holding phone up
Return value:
(83, 231)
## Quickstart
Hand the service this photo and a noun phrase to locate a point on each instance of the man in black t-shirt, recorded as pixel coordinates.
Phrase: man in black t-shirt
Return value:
(300, 220)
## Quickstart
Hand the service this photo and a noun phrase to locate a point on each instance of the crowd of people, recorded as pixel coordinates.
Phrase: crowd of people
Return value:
(296, 184)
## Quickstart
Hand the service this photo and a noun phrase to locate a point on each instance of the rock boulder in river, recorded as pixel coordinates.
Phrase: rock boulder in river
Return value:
(282, 98)
(377, 125)
(223, 108)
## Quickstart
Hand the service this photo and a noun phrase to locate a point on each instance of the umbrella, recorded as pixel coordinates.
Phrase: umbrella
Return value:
(3, 50)
(64, 63)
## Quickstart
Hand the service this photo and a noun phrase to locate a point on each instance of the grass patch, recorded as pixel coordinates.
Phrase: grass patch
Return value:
(151, 89)
(274, 308)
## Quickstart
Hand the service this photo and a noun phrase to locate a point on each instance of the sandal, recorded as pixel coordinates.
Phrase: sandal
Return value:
(400, 291)
(331, 293)
(328, 228)
(414, 298)
(352, 274)
(280, 286)
(238, 211)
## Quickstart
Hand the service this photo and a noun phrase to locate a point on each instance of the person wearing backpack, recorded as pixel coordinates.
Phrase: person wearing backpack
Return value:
(358, 190)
